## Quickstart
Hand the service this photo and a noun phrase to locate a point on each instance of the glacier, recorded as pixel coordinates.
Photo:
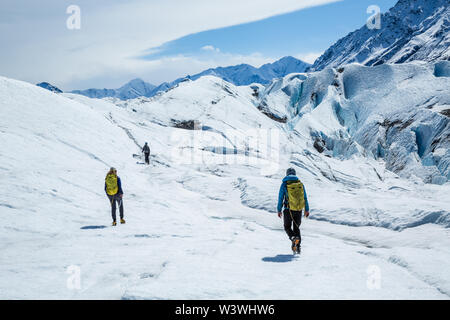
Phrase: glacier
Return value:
(369, 143)
(397, 113)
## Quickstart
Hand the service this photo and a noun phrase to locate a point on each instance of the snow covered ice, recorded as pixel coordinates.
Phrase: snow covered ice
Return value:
(371, 145)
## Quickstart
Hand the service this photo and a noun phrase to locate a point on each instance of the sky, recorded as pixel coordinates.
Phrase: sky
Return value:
(160, 41)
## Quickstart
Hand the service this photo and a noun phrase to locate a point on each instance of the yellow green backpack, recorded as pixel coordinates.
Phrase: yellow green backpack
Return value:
(111, 184)
(296, 195)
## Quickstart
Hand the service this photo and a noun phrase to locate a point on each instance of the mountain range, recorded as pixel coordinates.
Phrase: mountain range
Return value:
(243, 74)
(412, 30)
(49, 87)
(133, 89)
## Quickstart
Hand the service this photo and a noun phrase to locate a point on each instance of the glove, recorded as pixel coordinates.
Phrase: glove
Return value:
(306, 214)
(279, 214)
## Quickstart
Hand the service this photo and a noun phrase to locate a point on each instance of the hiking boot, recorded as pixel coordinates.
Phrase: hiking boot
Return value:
(299, 249)
(293, 247)
(296, 245)
(122, 221)
(114, 223)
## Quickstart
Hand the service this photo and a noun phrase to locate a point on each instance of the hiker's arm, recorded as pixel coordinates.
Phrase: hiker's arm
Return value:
(306, 199)
(281, 197)
(119, 184)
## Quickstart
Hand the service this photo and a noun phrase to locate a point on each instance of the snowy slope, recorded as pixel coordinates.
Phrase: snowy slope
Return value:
(411, 30)
(195, 209)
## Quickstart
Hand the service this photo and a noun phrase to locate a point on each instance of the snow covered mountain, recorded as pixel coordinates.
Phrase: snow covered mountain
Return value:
(242, 74)
(133, 89)
(364, 150)
(411, 30)
(48, 86)
(245, 74)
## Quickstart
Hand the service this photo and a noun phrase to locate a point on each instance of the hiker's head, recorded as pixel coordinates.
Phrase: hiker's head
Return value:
(290, 172)
(112, 170)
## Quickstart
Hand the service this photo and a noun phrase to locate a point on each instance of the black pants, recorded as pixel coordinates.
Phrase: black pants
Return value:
(147, 155)
(292, 221)
(113, 199)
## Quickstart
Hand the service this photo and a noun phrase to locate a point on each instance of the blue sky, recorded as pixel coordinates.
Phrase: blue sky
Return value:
(301, 33)
(160, 41)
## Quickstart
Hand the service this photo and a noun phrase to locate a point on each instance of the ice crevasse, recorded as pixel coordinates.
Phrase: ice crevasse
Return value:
(398, 113)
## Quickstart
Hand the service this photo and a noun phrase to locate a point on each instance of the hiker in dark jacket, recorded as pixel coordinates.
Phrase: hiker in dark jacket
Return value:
(113, 189)
(146, 151)
(292, 214)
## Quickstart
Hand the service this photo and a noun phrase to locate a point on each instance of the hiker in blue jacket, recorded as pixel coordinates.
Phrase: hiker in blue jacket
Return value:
(292, 215)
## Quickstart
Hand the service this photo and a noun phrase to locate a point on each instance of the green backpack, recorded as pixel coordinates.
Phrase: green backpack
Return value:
(296, 195)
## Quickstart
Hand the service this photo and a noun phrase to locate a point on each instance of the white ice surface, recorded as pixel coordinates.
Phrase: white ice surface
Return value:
(196, 230)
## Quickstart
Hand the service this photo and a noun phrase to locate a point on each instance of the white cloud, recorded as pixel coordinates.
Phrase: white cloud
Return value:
(210, 48)
(170, 68)
(309, 57)
(165, 69)
(41, 48)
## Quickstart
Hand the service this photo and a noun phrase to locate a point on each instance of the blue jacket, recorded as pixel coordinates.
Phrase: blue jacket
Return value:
(119, 185)
(283, 193)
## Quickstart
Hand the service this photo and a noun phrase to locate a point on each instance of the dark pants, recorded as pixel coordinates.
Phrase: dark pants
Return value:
(147, 155)
(113, 199)
(292, 221)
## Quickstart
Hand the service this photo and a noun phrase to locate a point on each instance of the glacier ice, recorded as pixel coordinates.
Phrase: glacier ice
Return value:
(390, 112)
(54, 206)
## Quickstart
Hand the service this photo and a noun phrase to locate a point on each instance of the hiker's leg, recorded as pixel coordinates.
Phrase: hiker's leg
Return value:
(288, 223)
(112, 201)
(297, 215)
(121, 208)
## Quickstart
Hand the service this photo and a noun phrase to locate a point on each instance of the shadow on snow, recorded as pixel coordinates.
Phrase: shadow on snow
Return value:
(92, 227)
(280, 258)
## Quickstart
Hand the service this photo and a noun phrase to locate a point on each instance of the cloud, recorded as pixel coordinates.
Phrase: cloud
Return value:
(210, 48)
(165, 69)
(40, 47)
(309, 57)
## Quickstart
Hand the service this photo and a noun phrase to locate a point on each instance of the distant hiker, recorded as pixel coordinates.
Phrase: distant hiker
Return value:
(293, 197)
(113, 189)
(146, 151)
